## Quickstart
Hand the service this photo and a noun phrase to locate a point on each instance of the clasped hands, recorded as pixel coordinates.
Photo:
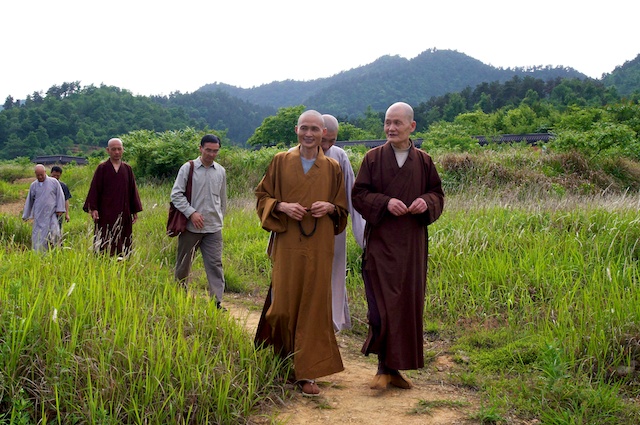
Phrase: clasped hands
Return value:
(297, 211)
(398, 208)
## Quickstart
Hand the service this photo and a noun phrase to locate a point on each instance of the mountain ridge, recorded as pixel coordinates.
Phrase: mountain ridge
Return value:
(386, 80)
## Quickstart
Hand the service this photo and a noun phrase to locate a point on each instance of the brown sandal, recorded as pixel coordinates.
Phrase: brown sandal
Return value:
(308, 387)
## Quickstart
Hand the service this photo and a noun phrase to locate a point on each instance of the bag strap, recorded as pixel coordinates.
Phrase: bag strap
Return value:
(187, 191)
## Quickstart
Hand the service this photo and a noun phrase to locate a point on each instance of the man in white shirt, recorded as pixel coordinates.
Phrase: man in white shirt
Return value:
(205, 212)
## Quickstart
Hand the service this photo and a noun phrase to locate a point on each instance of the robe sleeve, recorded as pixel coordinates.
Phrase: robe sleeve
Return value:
(434, 197)
(371, 205)
(134, 196)
(265, 192)
(60, 199)
(28, 204)
(340, 201)
(91, 203)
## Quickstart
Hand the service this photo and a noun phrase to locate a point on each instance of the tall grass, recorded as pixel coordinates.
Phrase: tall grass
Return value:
(533, 284)
(86, 338)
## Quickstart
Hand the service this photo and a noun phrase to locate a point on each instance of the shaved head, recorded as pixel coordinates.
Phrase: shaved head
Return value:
(311, 113)
(401, 108)
(41, 172)
(330, 122)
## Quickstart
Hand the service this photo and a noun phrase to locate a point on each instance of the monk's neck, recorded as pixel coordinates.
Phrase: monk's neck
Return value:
(309, 153)
(402, 145)
(116, 164)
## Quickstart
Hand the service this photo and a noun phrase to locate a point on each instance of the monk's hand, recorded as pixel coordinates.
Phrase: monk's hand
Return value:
(397, 207)
(197, 219)
(418, 206)
(134, 218)
(292, 209)
(321, 208)
(95, 215)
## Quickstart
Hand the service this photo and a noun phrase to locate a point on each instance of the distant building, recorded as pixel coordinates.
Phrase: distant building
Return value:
(59, 159)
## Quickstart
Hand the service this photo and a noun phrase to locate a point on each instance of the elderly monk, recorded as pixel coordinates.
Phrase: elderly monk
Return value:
(340, 305)
(44, 204)
(113, 202)
(301, 200)
(399, 193)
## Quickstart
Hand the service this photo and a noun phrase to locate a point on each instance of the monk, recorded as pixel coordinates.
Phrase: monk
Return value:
(340, 305)
(44, 204)
(399, 193)
(301, 200)
(113, 202)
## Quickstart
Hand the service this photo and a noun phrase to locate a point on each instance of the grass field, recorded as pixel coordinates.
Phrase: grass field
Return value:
(533, 282)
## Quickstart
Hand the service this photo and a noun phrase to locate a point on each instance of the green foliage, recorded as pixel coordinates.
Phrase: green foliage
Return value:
(160, 155)
(220, 111)
(278, 130)
(245, 168)
(71, 117)
(448, 137)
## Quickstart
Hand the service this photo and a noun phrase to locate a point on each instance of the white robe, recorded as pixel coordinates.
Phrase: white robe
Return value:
(340, 303)
(43, 202)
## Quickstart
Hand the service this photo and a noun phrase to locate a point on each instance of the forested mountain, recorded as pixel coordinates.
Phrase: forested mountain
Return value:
(70, 119)
(558, 93)
(220, 111)
(387, 80)
(625, 78)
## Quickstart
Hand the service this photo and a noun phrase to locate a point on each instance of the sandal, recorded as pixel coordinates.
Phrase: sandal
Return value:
(308, 387)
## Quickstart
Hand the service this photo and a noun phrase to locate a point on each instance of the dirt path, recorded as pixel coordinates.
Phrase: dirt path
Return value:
(347, 399)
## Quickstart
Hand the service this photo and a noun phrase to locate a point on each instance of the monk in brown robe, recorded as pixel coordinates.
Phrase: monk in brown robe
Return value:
(113, 202)
(399, 193)
(301, 200)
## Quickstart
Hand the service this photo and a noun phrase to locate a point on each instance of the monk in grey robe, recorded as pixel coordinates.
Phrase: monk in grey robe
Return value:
(45, 202)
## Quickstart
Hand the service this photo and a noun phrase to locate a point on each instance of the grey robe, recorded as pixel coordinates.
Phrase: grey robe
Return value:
(43, 202)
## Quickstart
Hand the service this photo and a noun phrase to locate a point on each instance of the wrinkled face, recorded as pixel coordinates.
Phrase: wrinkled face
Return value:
(209, 152)
(310, 130)
(41, 174)
(398, 126)
(55, 175)
(328, 140)
(115, 150)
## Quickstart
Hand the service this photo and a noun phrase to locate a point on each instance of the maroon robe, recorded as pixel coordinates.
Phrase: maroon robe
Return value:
(395, 257)
(115, 196)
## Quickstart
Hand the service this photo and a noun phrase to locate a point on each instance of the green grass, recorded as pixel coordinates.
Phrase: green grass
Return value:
(533, 284)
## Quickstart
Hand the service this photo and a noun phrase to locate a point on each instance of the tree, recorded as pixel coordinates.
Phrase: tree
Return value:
(8, 103)
(278, 129)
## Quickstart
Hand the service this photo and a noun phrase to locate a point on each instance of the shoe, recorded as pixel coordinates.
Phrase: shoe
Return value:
(380, 382)
(400, 381)
(220, 307)
(308, 387)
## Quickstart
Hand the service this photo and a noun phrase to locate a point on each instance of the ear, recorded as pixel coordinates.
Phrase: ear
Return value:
(413, 126)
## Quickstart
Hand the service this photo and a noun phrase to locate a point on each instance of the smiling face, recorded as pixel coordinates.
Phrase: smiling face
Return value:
(310, 129)
(399, 124)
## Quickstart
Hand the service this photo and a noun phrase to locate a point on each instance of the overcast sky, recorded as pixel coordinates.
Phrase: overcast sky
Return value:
(158, 47)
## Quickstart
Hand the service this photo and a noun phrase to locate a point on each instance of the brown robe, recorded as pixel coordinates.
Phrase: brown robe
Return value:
(296, 317)
(395, 257)
(115, 196)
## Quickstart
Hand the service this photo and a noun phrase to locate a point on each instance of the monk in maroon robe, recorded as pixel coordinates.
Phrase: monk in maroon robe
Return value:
(113, 202)
(399, 193)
